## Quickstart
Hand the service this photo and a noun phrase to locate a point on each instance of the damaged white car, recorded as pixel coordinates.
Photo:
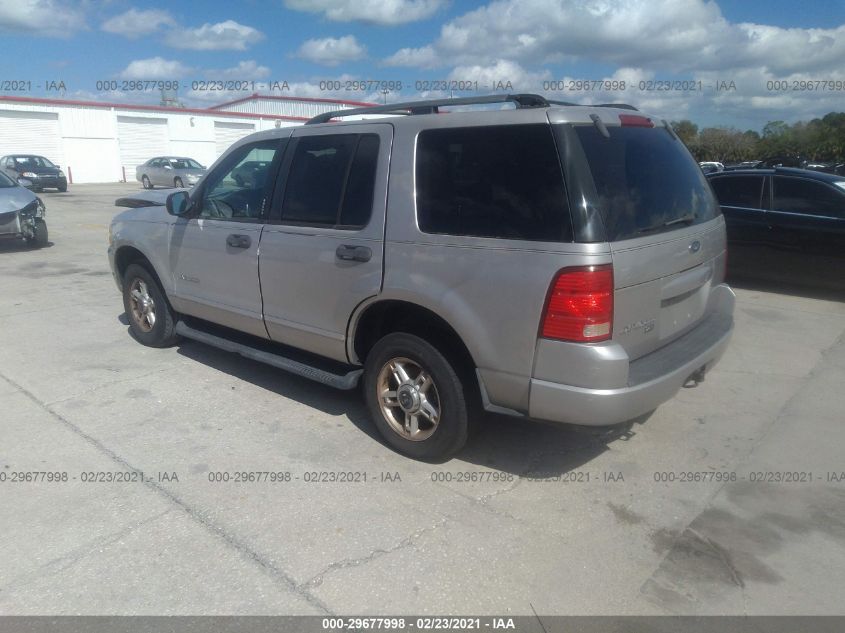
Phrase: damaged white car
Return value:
(21, 213)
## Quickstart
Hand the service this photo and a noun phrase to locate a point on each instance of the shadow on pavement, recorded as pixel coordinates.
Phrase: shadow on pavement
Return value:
(514, 445)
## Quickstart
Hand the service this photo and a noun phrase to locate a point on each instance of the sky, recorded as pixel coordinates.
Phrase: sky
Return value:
(738, 63)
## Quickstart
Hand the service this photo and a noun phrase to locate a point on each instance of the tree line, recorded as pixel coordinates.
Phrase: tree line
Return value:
(819, 140)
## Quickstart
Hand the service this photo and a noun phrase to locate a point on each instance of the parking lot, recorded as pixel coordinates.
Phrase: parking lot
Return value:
(729, 499)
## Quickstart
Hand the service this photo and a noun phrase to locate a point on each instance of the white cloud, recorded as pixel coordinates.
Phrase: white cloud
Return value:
(384, 12)
(246, 70)
(155, 68)
(494, 77)
(424, 57)
(669, 35)
(331, 51)
(228, 35)
(40, 17)
(136, 23)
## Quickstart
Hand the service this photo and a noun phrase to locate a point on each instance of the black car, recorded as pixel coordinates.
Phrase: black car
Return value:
(785, 208)
(42, 173)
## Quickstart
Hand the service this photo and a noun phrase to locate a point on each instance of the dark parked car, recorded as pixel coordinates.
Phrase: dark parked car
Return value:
(38, 170)
(793, 209)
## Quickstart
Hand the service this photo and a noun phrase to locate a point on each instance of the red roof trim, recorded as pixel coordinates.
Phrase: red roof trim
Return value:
(255, 95)
(147, 108)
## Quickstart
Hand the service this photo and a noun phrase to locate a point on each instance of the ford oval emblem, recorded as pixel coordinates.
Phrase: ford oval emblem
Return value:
(695, 247)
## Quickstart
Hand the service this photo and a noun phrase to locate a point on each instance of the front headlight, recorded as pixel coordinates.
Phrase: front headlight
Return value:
(61, 174)
(40, 209)
(29, 174)
(111, 234)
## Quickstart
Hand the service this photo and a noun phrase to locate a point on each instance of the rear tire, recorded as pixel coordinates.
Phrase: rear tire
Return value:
(151, 319)
(406, 377)
(146, 182)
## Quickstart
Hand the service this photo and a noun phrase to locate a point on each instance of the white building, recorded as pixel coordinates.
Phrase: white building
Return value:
(104, 142)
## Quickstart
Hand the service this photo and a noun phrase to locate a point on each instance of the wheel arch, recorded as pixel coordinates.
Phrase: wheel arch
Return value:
(386, 316)
(127, 255)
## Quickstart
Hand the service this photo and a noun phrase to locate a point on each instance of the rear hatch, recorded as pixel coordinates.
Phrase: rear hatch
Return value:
(663, 225)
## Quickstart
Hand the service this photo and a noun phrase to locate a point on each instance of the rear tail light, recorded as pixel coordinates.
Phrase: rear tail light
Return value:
(580, 305)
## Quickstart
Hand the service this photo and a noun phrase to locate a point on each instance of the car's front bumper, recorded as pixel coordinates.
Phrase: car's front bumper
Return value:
(50, 182)
(652, 379)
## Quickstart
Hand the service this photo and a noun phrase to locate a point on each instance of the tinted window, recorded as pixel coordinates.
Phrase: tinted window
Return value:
(806, 196)
(33, 161)
(502, 181)
(358, 200)
(738, 191)
(235, 190)
(646, 181)
(6, 182)
(325, 186)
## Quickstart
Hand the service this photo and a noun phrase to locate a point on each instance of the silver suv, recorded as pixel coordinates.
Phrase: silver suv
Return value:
(553, 261)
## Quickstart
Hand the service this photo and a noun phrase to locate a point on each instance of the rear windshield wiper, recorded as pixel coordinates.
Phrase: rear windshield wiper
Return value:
(689, 218)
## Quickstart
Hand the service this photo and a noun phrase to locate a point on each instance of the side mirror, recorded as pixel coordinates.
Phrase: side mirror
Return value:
(23, 182)
(178, 203)
(168, 166)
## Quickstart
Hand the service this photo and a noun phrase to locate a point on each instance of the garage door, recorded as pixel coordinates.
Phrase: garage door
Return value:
(227, 133)
(140, 139)
(24, 132)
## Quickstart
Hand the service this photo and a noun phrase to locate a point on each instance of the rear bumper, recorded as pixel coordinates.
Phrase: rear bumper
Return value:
(652, 380)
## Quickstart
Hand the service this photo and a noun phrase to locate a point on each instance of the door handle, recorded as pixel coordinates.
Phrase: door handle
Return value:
(238, 241)
(352, 253)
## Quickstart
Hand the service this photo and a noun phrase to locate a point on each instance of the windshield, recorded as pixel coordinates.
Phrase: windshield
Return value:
(32, 161)
(184, 163)
(6, 182)
(646, 181)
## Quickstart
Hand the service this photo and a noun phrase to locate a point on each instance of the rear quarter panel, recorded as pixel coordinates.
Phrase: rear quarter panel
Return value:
(491, 291)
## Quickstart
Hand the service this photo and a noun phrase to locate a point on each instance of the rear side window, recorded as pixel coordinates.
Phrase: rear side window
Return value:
(331, 181)
(806, 196)
(646, 181)
(491, 181)
(739, 191)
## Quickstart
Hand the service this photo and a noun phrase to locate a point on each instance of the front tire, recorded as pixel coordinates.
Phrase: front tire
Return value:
(63, 189)
(41, 237)
(416, 397)
(146, 182)
(151, 319)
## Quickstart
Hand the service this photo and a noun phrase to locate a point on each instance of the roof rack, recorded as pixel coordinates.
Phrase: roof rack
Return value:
(621, 106)
(432, 106)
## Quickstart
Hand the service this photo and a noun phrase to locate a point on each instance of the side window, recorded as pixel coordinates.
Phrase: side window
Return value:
(331, 181)
(235, 190)
(498, 181)
(739, 191)
(797, 195)
(156, 162)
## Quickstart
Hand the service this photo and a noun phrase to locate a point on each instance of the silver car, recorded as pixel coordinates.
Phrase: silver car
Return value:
(551, 261)
(22, 213)
(169, 171)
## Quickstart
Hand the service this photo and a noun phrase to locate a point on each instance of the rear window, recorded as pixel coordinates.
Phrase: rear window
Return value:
(739, 191)
(646, 181)
(492, 181)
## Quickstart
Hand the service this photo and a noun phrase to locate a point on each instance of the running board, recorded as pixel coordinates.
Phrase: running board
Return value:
(338, 381)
